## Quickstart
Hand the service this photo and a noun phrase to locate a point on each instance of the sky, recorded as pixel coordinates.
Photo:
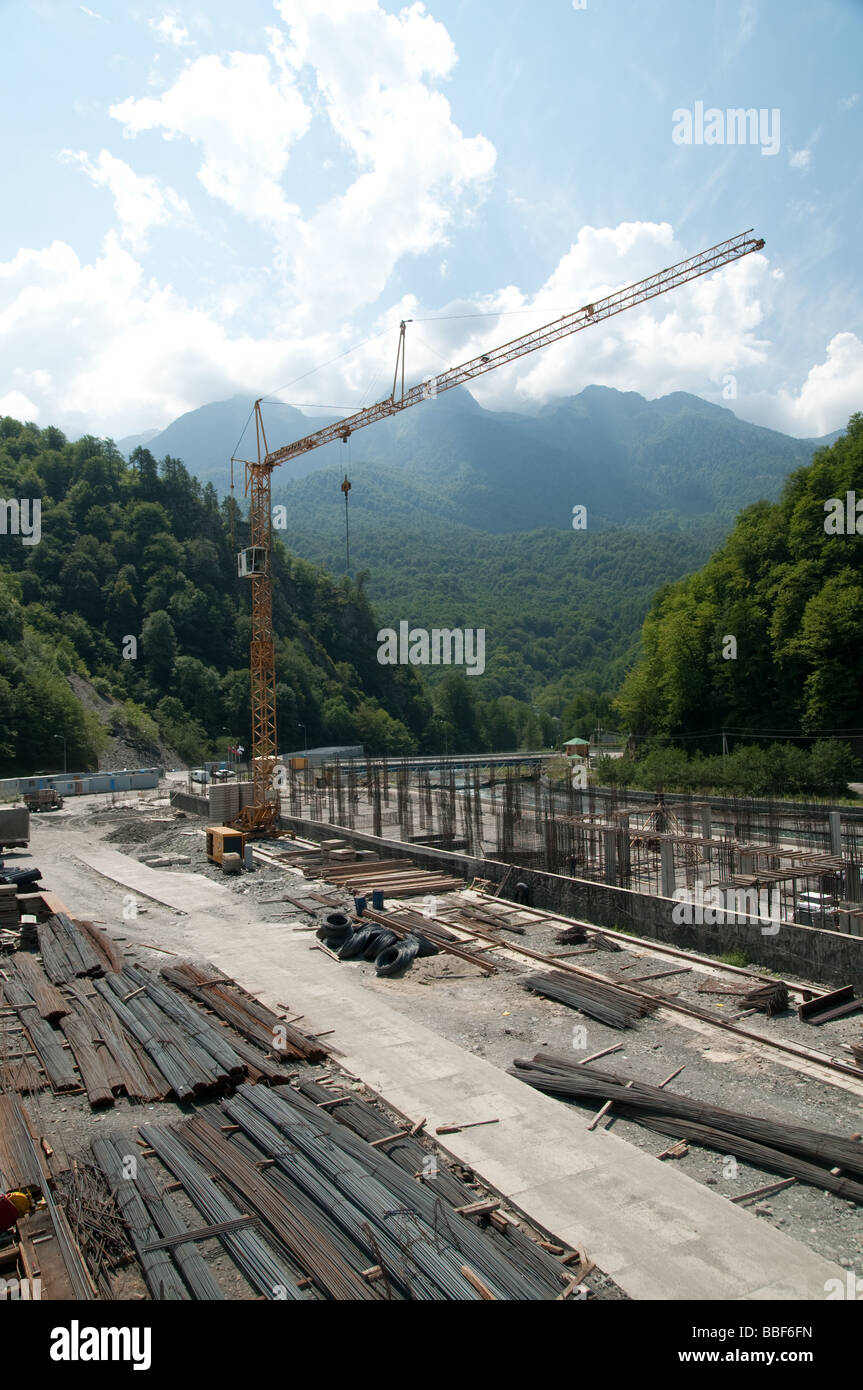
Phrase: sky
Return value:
(217, 199)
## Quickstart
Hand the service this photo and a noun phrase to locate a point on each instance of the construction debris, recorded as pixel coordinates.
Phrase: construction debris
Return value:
(827, 1006)
(768, 999)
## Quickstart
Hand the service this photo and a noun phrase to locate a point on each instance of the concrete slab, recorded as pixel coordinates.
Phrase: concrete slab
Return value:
(182, 892)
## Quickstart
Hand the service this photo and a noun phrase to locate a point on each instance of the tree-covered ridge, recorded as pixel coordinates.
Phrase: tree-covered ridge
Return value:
(791, 593)
(142, 550)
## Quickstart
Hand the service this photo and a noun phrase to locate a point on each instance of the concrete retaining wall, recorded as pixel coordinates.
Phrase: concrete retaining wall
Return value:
(187, 801)
(809, 953)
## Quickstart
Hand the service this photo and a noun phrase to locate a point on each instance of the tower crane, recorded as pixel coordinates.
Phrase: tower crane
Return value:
(254, 563)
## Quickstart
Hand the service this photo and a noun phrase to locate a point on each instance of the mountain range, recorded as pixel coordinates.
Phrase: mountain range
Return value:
(464, 517)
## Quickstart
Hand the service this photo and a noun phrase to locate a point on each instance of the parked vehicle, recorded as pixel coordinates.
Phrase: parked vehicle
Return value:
(200, 775)
(45, 799)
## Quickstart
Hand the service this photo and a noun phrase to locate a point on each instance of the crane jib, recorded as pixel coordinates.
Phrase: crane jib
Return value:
(724, 253)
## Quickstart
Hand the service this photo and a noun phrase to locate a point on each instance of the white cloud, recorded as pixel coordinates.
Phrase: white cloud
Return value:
(831, 392)
(101, 348)
(170, 30)
(139, 202)
(674, 343)
(244, 122)
(108, 351)
(19, 406)
(800, 159)
(413, 171)
(847, 103)
(91, 14)
(375, 74)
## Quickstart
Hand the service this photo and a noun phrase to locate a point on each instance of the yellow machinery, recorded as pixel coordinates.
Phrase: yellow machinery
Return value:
(222, 840)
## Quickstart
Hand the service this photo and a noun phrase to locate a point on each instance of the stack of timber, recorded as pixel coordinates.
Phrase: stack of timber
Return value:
(8, 907)
(809, 1155)
(397, 878)
(253, 1020)
(597, 999)
(343, 1219)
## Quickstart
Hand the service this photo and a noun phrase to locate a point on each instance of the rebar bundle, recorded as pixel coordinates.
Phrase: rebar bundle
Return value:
(598, 1000)
(816, 1152)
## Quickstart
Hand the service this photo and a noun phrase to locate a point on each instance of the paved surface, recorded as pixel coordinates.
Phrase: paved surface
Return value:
(658, 1233)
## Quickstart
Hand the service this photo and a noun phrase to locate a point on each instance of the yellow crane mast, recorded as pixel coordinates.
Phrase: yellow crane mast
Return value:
(254, 563)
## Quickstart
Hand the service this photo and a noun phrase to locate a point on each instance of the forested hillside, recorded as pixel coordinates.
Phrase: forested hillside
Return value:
(132, 590)
(140, 551)
(790, 592)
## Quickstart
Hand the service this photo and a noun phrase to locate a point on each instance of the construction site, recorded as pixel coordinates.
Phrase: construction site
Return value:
(273, 1049)
(366, 1031)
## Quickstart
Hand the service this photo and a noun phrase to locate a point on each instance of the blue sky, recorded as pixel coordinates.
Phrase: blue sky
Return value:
(205, 200)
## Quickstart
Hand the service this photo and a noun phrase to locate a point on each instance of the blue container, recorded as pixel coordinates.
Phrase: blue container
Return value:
(361, 904)
(378, 899)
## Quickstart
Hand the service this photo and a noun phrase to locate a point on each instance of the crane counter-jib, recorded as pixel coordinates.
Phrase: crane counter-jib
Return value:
(724, 253)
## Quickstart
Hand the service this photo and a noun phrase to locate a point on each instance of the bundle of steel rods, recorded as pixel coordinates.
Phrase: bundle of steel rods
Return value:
(150, 1214)
(253, 1020)
(409, 1154)
(422, 1245)
(192, 1055)
(267, 1273)
(814, 1152)
(596, 999)
(94, 1219)
(46, 1041)
(66, 952)
(310, 1245)
(19, 1165)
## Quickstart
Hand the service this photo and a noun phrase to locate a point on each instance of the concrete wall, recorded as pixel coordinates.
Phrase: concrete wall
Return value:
(809, 953)
(187, 801)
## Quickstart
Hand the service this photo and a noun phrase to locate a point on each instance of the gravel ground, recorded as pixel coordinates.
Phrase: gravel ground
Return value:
(67, 1121)
(498, 1019)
